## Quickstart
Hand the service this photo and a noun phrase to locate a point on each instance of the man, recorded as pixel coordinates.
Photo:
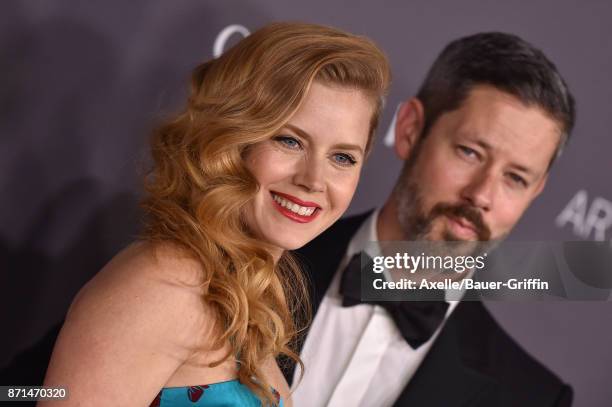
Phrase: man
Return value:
(478, 141)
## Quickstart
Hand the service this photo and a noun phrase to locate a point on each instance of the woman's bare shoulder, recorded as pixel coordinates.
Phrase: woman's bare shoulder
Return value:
(158, 280)
(141, 316)
(156, 262)
(147, 274)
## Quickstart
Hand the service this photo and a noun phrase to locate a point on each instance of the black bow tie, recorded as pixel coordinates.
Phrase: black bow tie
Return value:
(416, 320)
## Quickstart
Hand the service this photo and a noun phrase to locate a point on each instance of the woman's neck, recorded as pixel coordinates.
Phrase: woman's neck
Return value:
(277, 253)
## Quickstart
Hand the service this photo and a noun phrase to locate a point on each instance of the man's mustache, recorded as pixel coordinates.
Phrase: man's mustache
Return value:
(467, 212)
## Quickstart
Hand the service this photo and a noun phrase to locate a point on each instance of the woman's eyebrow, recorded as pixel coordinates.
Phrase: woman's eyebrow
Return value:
(342, 146)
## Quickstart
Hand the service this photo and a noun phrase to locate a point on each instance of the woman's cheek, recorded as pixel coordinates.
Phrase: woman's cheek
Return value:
(344, 188)
(279, 165)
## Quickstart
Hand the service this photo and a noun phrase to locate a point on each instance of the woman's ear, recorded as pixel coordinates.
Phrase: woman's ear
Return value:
(408, 127)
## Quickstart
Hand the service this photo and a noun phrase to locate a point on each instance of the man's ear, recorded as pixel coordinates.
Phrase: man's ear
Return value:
(408, 127)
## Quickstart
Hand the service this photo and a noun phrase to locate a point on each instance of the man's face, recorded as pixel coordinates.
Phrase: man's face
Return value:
(476, 171)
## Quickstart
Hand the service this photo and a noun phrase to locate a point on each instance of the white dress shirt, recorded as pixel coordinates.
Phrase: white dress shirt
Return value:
(355, 356)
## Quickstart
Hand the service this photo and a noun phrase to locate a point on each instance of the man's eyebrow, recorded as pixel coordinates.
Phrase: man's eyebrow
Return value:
(482, 143)
(522, 168)
(342, 146)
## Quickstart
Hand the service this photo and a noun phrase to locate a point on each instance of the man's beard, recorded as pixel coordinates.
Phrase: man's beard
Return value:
(417, 224)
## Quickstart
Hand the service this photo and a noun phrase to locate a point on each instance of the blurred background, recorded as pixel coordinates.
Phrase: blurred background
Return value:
(82, 84)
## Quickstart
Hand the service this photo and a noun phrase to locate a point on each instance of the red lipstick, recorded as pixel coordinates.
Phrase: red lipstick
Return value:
(292, 215)
(296, 200)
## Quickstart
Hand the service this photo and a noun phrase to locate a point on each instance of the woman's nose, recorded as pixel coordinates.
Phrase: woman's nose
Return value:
(310, 174)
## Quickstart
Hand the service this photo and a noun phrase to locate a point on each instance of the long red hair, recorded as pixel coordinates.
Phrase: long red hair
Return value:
(198, 185)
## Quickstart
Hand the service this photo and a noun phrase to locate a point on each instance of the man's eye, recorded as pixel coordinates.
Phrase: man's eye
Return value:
(344, 159)
(288, 142)
(468, 152)
(517, 179)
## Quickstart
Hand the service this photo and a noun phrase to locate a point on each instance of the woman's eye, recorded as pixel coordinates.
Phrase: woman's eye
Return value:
(288, 142)
(344, 159)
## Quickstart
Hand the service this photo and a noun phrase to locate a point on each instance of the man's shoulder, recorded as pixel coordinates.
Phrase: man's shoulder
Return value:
(488, 348)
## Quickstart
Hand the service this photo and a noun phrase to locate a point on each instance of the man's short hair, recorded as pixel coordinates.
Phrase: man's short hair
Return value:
(506, 62)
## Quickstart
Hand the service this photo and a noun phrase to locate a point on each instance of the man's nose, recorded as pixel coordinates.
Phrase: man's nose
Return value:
(480, 189)
(310, 174)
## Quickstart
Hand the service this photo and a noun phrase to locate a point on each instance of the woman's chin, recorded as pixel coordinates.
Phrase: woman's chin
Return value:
(288, 244)
(293, 245)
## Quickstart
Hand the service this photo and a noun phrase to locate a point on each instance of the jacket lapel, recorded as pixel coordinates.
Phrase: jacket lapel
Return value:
(454, 371)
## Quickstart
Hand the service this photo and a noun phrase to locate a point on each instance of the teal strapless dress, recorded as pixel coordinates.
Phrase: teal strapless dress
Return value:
(223, 394)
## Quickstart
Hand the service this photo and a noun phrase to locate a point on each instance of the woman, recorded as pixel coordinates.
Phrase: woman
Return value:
(265, 157)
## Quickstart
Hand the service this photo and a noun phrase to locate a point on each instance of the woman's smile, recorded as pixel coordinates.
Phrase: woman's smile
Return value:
(294, 208)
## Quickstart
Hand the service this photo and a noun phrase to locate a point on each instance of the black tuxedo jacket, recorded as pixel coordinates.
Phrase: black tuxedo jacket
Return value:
(473, 362)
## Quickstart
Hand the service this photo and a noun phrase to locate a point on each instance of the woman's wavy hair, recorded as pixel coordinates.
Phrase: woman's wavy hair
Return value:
(198, 186)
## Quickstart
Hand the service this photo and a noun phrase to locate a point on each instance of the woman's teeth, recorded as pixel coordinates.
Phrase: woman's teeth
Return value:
(293, 207)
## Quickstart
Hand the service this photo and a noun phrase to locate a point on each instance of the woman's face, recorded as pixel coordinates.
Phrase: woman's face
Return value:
(309, 170)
